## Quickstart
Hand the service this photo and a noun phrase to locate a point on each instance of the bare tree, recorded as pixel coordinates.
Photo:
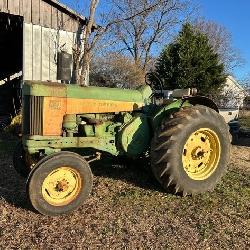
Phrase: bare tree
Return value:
(144, 33)
(246, 82)
(116, 70)
(137, 24)
(221, 41)
(83, 47)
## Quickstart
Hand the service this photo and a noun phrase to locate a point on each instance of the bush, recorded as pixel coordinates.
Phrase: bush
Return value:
(15, 125)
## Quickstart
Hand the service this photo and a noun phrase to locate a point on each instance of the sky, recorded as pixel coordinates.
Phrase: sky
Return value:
(234, 15)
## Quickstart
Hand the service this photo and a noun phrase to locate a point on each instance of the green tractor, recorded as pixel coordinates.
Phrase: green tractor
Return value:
(187, 140)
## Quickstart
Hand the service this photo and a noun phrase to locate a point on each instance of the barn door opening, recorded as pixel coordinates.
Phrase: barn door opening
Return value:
(11, 64)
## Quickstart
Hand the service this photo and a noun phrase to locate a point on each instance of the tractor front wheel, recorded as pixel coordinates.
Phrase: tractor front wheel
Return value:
(59, 183)
(191, 150)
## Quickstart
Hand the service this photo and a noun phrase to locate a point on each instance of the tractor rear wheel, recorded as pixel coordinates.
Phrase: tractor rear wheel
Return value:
(191, 150)
(59, 183)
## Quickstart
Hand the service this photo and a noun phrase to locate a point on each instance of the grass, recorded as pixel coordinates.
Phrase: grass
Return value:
(128, 209)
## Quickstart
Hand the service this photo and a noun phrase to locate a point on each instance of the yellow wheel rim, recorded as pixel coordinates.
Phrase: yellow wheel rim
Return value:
(201, 154)
(61, 186)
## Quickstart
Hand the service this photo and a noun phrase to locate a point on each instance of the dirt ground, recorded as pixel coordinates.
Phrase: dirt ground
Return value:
(129, 210)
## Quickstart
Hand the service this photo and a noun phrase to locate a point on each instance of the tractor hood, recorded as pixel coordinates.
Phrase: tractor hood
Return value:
(48, 89)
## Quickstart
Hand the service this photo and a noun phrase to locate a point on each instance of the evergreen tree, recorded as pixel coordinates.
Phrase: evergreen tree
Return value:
(190, 62)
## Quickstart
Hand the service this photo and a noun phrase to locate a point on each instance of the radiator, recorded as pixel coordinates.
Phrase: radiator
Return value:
(33, 115)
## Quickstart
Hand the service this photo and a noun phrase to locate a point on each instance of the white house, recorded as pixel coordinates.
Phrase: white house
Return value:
(232, 98)
(233, 94)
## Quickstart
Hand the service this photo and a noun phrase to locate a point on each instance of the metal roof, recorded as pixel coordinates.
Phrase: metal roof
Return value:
(66, 9)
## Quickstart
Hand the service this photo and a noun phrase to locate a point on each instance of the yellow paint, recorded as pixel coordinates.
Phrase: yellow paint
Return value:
(201, 154)
(78, 106)
(55, 108)
(61, 186)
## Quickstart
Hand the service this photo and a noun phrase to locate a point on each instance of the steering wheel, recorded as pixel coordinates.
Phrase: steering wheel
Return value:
(157, 83)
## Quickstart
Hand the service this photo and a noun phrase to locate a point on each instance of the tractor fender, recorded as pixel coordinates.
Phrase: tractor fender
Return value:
(202, 100)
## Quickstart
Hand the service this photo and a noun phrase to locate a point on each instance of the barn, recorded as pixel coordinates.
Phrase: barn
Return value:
(33, 36)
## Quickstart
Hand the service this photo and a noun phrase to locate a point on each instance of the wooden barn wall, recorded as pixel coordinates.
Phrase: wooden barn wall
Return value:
(40, 51)
(39, 12)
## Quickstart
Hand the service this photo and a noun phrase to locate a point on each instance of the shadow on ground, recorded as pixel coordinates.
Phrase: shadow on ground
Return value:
(12, 186)
(137, 172)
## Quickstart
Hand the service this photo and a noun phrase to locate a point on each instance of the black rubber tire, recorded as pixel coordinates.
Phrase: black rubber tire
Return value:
(168, 143)
(19, 162)
(46, 166)
(235, 138)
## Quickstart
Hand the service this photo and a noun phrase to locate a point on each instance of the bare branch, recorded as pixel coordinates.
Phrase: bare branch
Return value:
(136, 25)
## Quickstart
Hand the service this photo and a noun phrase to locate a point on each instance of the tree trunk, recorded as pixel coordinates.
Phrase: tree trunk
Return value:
(84, 72)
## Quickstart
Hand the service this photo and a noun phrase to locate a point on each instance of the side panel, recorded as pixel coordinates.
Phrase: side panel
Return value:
(59, 100)
(28, 51)
(53, 41)
(45, 70)
(55, 108)
(78, 106)
(40, 51)
(37, 52)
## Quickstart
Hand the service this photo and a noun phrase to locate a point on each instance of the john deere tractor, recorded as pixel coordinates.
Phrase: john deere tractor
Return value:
(187, 140)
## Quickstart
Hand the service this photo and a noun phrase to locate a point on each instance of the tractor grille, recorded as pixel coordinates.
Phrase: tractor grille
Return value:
(33, 115)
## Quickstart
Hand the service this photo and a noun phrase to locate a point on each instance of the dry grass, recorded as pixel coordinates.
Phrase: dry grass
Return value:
(15, 125)
(127, 209)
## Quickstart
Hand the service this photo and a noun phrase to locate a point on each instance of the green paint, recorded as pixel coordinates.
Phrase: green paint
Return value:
(37, 88)
(53, 145)
(134, 138)
(124, 133)
(69, 122)
(164, 112)
(141, 95)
